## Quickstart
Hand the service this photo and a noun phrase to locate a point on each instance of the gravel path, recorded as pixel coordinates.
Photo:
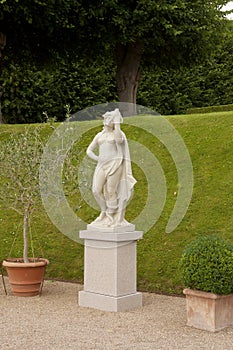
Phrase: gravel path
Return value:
(54, 321)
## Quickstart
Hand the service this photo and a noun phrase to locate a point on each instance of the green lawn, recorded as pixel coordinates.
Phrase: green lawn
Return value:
(209, 139)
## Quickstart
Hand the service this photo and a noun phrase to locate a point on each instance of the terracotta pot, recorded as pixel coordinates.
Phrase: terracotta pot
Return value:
(208, 311)
(26, 279)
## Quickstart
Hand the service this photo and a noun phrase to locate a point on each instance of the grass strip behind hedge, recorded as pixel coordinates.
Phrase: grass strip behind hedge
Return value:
(210, 109)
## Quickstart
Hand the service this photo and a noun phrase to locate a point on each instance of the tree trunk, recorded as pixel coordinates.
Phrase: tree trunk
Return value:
(2, 45)
(128, 75)
(25, 235)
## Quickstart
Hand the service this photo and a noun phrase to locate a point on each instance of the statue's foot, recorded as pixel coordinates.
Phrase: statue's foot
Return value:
(125, 223)
(109, 219)
(100, 217)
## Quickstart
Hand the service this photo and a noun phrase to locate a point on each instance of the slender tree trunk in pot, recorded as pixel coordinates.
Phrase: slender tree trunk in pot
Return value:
(25, 235)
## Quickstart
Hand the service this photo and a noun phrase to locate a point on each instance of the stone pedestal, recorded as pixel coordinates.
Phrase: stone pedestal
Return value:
(110, 273)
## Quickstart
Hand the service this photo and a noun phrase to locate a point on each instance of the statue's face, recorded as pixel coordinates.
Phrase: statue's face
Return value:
(108, 118)
(108, 122)
(111, 117)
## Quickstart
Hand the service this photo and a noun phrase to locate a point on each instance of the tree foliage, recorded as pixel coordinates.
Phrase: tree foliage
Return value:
(165, 32)
(58, 45)
(20, 157)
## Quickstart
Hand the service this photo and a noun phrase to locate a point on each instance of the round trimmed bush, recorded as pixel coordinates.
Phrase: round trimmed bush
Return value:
(207, 265)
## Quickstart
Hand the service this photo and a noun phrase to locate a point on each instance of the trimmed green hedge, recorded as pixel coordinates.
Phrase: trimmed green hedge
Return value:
(30, 90)
(31, 87)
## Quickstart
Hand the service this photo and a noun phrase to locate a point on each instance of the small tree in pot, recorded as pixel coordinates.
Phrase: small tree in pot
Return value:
(207, 270)
(20, 156)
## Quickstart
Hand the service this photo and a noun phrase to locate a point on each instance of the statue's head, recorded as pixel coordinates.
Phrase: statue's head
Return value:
(112, 117)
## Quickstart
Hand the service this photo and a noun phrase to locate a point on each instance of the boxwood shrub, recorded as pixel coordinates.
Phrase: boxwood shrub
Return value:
(207, 265)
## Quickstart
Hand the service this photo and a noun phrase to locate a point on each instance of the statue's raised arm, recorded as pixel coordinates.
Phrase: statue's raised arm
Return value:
(113, 181)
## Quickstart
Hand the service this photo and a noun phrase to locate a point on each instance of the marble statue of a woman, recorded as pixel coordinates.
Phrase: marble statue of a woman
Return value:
(112, 181)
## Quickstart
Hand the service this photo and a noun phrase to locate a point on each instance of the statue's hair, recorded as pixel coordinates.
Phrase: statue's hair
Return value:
(112, 114)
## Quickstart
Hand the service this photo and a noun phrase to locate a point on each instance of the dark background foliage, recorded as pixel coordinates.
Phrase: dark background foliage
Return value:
(64, 52)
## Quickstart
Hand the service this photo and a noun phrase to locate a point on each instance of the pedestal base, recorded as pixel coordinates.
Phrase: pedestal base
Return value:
(110, 261)
(109, 303)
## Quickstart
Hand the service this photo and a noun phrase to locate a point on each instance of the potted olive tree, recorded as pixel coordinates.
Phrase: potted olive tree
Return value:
(207, 270)
(20, 156)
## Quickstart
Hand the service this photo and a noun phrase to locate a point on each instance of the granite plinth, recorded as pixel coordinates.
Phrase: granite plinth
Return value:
(110, 262)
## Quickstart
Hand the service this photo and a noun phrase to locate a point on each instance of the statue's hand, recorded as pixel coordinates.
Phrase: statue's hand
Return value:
(117, 117)
(92, 155)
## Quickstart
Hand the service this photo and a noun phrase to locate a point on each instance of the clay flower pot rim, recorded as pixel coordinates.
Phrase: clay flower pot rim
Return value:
(207, 295)
(18, 262)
